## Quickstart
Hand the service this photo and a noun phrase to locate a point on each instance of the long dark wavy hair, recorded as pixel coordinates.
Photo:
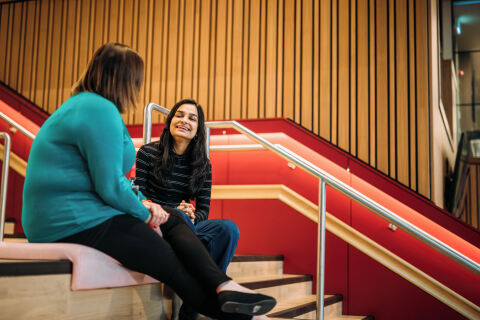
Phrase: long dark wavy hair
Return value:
(196, 151)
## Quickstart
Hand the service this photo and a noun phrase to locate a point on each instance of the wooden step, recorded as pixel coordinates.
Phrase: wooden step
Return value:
(282, 287)
(17, 237)
(305, 308)
(9, 226)
(44, 287)
(260, 265)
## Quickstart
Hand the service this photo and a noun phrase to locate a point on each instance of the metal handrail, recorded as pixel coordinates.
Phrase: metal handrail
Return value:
(16, 125)
(327, 179)
(147, 120)
(355, 195)
(3, 186)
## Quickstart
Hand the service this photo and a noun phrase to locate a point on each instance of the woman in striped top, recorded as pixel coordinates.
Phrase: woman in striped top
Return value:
(176, 169)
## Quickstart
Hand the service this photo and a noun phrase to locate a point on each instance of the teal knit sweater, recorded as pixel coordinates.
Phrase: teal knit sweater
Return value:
(76, 171)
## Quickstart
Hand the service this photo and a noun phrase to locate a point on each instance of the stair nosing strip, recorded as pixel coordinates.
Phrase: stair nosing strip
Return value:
(34, 268)
(15, 236)
(250, 257)
(276, 282)
(332, 299)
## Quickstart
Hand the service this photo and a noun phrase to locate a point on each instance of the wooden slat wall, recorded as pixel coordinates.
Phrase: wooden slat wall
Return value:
(355, 72)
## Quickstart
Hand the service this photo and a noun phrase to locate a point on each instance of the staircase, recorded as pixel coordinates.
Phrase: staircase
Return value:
(263, 274)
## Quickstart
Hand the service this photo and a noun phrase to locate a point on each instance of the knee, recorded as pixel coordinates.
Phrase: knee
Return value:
(231, 229)
(176, 217)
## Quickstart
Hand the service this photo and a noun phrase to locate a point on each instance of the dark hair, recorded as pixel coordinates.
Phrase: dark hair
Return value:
(116, 73)
(196, 152)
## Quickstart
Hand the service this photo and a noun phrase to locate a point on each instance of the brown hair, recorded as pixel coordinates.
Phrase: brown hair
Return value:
(116, 73)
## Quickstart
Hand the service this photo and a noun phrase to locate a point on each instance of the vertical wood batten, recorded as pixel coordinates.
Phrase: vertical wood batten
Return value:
(422, 111)
(325, 70)
(289, 60)
(412, 94)
(382, 82)
(237, 61)
(355, 72)
(343, 80)
(228, 65)
(372, 62)
(316, 67)
(270, 59)
(392, 93)
(306, 92)
(362, 83)
(353, 99)
(401, 93)
(221, 28)
(334, 73)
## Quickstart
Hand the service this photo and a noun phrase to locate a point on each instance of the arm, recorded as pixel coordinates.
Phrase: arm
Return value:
(202, 199)
(100, 141)
(143, 169)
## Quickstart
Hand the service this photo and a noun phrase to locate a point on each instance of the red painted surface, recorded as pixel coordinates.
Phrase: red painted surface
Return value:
(270, 227)
(22, 105)
(20, 145)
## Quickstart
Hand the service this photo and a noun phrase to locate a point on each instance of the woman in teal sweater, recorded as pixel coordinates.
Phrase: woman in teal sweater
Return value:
(76, 191)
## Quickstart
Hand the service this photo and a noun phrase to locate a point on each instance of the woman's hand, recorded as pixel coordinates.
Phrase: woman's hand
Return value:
(157, 216)
(188, 208)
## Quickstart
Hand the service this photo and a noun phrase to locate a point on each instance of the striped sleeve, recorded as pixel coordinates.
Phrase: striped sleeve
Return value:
(143, 168)
(202, 200)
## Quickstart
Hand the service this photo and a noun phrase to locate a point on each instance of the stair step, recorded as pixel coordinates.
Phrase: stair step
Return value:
(294, 307)
(305, 308)
(9, 226)
(16, 237)
(282, 287)
(245, 265)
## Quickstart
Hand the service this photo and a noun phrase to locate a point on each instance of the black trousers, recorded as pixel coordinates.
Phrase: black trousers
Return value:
(179, 259)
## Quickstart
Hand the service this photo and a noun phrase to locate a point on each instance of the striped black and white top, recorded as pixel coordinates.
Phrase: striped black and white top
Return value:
(175, 190)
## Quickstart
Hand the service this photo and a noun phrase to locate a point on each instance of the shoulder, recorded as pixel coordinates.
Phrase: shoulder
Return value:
(96, 106)
(149, 149)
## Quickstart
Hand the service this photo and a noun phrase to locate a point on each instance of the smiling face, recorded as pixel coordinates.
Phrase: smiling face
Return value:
(184, 125)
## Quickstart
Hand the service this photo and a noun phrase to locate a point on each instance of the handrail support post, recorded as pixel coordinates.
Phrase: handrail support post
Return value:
(3, 187)
(322, 196)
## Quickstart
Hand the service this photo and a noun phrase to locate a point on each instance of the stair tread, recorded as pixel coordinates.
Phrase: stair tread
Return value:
(271, 277)
(8, 238)
(291, 303)
(268, 281)
(308, 303)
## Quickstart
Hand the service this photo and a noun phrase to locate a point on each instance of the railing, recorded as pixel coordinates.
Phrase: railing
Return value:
(17, 126)
(327, 179)
(6, 162)
(3, 187)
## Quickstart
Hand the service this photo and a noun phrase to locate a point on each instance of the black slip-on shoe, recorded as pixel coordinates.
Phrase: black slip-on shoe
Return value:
(246, 303)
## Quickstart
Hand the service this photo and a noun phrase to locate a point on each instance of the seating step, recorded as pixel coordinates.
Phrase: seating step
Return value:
(260, 265)
(28, 279)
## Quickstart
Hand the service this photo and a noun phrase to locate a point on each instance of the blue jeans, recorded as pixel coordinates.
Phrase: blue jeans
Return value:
(220, 237)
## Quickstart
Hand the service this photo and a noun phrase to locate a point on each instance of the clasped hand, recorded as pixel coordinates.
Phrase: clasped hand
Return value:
(188, 208)
(157, 216)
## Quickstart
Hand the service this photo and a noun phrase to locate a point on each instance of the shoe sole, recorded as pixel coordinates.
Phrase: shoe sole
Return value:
(253, 309)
